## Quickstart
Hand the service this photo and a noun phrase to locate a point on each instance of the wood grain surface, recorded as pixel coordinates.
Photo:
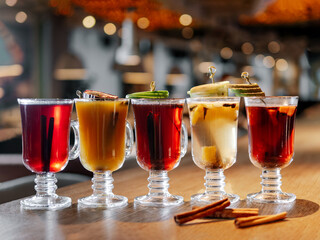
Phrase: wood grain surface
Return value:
(302, 178)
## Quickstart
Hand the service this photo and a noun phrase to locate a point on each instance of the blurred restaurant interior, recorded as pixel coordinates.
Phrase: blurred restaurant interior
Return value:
(51, 48)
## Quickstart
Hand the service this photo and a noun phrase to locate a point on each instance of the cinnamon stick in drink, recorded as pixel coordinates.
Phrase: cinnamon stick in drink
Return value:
(202, 211)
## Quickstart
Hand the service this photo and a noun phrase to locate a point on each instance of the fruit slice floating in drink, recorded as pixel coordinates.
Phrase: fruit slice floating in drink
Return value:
(214, 132)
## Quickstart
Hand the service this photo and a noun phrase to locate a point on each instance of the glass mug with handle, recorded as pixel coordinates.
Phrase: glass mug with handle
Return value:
(162, 141)
(45, 140)
(271, 129)
(106, 138)
(214, 125)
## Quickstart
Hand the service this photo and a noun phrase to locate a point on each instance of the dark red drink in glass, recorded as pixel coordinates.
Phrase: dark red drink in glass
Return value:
(271, 135)
(158, 135)
(45, 136)
(161, 141)
(45, 141)
(271, 143)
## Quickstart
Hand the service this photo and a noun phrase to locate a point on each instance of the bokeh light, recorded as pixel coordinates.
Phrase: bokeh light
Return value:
(187, 32)
(21, 17)
(143, 23)
(274, 47)
(248, 69)
(204, 66)
(268, 62)
(11, 3)
(259, 60)
(89, 22)
(110, 29)
(247, 48)
(282, 65)
(185, 19)
(226, 53)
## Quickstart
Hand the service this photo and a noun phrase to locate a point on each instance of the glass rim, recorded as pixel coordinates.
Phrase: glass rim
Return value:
(100, 100)
(33, 101)
(182, 100)
(271, 101)
(213, 98)
(272, 97)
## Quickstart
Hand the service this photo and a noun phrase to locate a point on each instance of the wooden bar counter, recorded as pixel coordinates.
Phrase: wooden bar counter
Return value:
(302, 178)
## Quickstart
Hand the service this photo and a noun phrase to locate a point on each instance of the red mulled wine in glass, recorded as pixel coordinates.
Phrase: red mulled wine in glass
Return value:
(161, 141)
(45, 141)
(271, 143)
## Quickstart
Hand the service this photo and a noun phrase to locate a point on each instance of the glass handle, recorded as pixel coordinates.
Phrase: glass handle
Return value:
(129, 138)
(75, 150)
(184, 140)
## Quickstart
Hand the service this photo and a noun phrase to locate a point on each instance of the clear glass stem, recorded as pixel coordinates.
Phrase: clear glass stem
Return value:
(158, 195)
(102, 192)
(271, 181)
(271, 189)
(214, 182)
(214, 189)
(46, 185)
(102, 184)
(158, 183)
(46, 197)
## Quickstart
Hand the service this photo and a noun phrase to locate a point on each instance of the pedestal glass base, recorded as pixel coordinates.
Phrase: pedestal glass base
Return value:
(163, 201)
(158, 195)
(46, 203)
(214, 189)
(203, 198)
(46, 197)
(102, 193)
(271, 191)
(265, 197)
(103, 202)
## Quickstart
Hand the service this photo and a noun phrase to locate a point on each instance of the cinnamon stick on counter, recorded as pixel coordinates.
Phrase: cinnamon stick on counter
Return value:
(201, 212)
(256, 220)
(233, 212)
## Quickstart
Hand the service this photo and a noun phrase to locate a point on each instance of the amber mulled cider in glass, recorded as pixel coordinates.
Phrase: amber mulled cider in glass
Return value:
(102, 133)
